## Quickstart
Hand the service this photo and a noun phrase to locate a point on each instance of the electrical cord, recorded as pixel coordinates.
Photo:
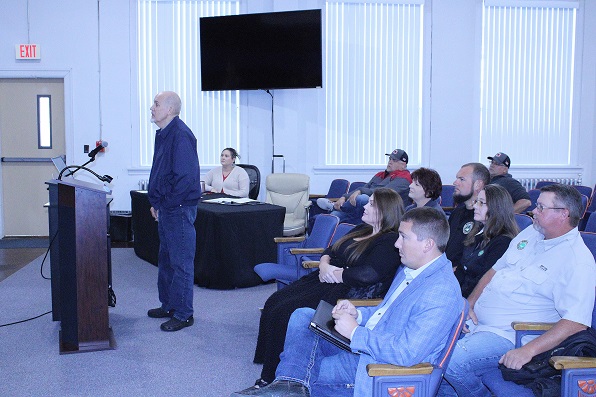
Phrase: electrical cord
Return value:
(42, 276)
(22, 321)
(45, 256)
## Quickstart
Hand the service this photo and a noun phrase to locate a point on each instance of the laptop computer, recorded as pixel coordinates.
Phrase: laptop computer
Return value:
(322, 324)
(60, 165)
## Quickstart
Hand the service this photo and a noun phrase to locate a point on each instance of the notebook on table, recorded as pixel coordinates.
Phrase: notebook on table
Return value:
(322, 324)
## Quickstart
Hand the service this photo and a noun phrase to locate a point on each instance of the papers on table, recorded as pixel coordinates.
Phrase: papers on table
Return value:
(231, 201)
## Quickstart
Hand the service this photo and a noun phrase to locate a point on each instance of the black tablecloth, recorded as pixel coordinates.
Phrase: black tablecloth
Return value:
(231, 240)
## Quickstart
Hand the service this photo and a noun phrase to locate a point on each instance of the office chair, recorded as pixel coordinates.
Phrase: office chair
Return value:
(290, 191)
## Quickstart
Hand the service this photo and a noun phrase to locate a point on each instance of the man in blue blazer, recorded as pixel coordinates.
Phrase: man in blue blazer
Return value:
(411, 325)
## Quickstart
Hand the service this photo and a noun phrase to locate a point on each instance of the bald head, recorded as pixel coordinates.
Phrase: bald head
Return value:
(166, 106)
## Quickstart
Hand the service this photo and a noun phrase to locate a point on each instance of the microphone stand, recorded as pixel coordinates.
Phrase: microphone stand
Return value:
(104, 178)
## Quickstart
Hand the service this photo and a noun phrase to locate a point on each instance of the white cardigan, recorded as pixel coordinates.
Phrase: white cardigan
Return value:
(236, 184)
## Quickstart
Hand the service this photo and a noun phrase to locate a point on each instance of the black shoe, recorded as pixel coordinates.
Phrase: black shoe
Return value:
(176, 325)
(160, 313)
(260, 383)
(276, 389)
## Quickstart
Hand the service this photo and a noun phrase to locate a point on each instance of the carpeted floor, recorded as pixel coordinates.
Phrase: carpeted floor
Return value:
(211, 358)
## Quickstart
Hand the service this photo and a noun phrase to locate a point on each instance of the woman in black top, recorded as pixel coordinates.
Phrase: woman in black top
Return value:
(494, 227)
(361, 264)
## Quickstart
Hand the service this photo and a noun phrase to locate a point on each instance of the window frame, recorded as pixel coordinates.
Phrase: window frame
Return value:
(525, 169)
(416, 159)
(39, 121)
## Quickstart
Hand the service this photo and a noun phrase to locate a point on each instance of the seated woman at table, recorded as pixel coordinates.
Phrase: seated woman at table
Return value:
(494, 227)
(425, 189)
(361, 264)
(228, 178)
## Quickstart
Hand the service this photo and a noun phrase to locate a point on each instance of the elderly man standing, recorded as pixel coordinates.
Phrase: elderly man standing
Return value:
(174, 192)
(350, 207)
(469, 181)
(546, 275)
(499, 173)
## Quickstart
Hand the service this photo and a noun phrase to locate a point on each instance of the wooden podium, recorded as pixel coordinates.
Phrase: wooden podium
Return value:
(80, 259)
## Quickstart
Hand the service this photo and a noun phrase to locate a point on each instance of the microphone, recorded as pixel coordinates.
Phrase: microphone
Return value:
(106, 178)
(98, 149)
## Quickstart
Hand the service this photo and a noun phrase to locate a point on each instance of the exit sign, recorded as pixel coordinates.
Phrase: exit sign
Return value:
(28, 51)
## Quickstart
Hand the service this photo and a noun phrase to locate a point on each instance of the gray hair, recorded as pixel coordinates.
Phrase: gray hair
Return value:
(567, 197)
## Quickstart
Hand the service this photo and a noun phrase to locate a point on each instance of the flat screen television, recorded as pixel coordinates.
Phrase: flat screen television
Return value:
(261, 51)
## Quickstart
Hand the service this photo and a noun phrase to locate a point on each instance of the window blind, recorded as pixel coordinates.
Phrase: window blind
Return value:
(373, 81)
(527, 79)
(169, 60)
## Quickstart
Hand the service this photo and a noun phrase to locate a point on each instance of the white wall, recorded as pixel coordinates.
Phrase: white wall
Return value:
(67, 32)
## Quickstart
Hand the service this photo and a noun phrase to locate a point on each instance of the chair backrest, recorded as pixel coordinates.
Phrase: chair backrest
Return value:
(584, 203)
(322, 231)
(254, 175)
(437, 374)
(590, 241)
(533, 193)
(523, 221)
(289, 191)
(356, 186)
(338, 188)
(592, 202)
(447, 195)
(341, 230)
(585, 190)
(591, 224)
(543, 183)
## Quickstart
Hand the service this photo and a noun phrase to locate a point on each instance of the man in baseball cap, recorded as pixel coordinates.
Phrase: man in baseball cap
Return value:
(500, 159)
(350, 207)
(499, 173)
(398, 155)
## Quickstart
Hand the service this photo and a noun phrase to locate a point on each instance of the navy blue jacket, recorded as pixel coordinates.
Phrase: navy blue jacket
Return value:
(175, 177)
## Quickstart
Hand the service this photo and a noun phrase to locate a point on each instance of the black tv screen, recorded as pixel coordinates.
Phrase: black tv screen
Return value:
(261, 51)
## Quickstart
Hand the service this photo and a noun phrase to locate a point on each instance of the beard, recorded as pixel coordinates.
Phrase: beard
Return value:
(460, 198)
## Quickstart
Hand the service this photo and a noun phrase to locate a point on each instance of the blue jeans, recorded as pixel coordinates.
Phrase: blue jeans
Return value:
(493, 379)
(310, 360)
(177, 246)
(350, 213)
(474, 355)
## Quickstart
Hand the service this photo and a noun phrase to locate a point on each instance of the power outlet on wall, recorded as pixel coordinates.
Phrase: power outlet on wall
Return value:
(85, 148)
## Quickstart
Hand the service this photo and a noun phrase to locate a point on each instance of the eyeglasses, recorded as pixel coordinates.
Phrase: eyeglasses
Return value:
(480, 203)
(541, 207)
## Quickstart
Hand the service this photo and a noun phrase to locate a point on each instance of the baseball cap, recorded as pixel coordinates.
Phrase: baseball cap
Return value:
(501, 159)
(398, 155)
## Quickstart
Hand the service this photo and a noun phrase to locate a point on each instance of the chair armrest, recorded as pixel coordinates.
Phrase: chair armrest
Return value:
(310, 264)
(289, 239)
(332, 199)
(396, 370)
(523, 326)
(365, 302)
(306, 251)
(569, 362)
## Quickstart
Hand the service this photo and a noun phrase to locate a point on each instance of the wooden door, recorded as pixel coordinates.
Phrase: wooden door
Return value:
(26, 166)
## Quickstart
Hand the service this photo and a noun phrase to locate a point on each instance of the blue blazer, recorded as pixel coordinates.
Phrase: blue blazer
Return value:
(415, 328)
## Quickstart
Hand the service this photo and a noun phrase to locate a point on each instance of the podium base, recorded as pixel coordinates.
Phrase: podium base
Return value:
(83, 347)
